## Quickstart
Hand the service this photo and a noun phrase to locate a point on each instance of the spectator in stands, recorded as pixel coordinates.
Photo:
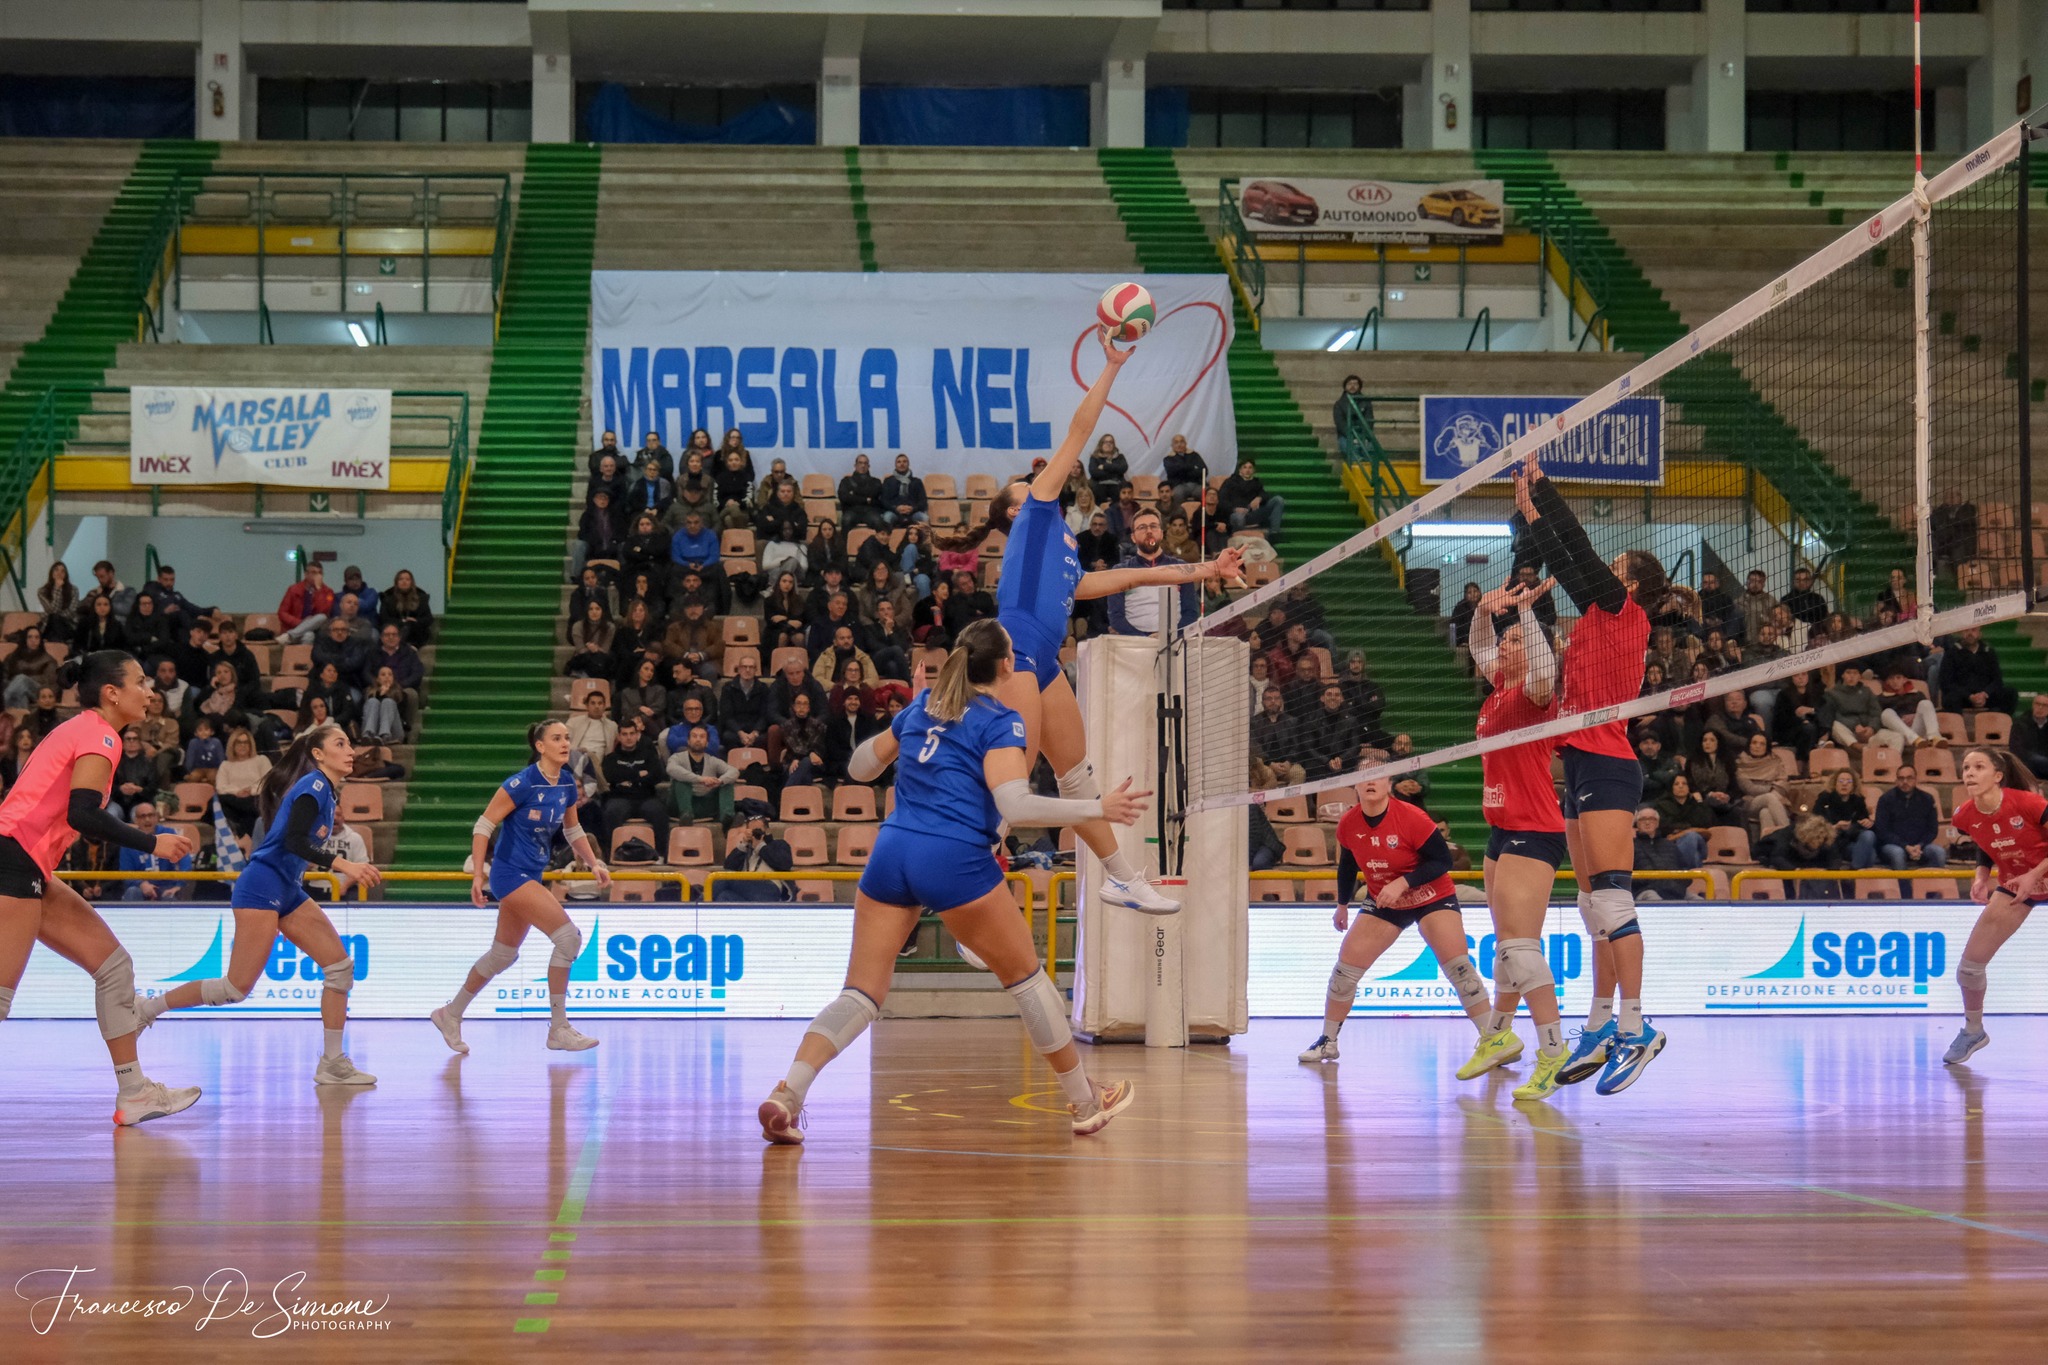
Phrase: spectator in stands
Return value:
(43, 717)
(239, 776)
(1660, 769)
(743, 705)
(1123, 514)
(2030, 735)
(777, 475)
(165, 744)
(1765, 786)
(348, 608)
(838, 611)
(1262, 844)
(1971, 678)
(171, 603)
(1900, 597)
(696, 491)
(889, 643)
(1461, 616)
(135, 777)
(28, 670)
(594, 732)
(338, 646)
(803, 743)
(1367, 700)
(1906, 713)
(1329, 735)
(1781, 635)
(1734, 723)
(695, 546)
(600, 534)
(1795, 718)
(636, 635)
(106, 584)
(783, 622)
(1243, 500)
(1756, 604)
(853, 678)
(849, 725)
(388, 708)
(646, 551)
(753, 847)
(1411, 787)
(195, 656)
(857, 494)
(928, 622)
(1137, 612)
(228, 647)
(780, 531)
(649, 490)
(826, 549)
(650, 445)
(222, 699)
(1276, 739)
(733, 444)
(832, 660)
(1684, 817)
(149, 631)
(1655, 853)
(732, 487)
(1711, 772)
(591, 637)
(644, 698)
(1906, 826)
(608, 444)
(903, 498)
(609, 479)
(98, 628)
(1180, 541)
(879, 586)
(968, 604)
(1097, 547)
(145, 819)
(700, 783)
(915, 560)
(1209, 526)
(1807, 844)
(305, 608)
(1842, 805)
(632, 781)
(1806, 604)
(19, 746)
(793, 681)
(1107, 470)
(343, 702)
(59, 600)
(1351, 414)
(1185, 474)
(683, 686)
(591, 588)
(404, 604)
(1852, 713)
(175, 691)
(394, 653)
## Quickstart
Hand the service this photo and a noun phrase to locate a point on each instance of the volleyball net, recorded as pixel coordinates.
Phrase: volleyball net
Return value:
(1855, 431)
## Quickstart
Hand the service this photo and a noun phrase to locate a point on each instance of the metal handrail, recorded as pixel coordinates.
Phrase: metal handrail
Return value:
(1595, 325)
(1247, 265)
(1485, 319)
(1371, 322)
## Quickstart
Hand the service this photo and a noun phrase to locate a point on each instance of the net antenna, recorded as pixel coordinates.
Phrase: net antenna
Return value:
(1818, 424)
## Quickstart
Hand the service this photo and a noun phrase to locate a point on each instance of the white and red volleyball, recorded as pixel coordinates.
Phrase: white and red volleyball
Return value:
(1125, 311)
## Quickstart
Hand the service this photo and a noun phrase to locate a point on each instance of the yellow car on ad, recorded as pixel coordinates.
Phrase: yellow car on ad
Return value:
(1459, 208)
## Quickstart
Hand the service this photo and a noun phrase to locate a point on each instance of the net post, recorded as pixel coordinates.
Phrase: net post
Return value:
(2024, 378)
(1923, 443)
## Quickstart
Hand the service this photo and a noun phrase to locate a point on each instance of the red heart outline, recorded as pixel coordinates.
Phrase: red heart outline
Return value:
(1222, 344)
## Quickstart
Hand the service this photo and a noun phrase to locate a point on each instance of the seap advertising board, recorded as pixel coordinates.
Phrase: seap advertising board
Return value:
(315, 438)
(966, 373)
(1624, 443)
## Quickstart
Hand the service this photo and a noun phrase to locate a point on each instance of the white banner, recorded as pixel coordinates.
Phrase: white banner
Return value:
(1372, 210)
(314, 438)
(966, 373)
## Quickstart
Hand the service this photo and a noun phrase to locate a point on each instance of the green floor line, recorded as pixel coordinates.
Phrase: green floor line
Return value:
(570, 1214)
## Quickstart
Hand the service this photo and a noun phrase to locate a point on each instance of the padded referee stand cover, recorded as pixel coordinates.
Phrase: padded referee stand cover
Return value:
(1119, 684)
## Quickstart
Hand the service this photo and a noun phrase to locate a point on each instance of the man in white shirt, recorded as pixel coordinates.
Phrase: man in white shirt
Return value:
(594, 732)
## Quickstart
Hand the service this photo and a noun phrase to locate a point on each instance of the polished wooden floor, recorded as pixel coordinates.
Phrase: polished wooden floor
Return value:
(1773, 1189)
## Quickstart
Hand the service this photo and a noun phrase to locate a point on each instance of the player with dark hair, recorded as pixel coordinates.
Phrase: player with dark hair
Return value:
(2004, 815)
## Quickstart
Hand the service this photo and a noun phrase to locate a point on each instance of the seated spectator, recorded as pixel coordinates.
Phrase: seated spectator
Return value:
(145, 819)
(1329, 739)
(1136, 612)
(58, 598)
(1900, 597)
(590, 640)
(1765, 786)
(793, 681)
(855, 678)
(608, 444)
(28, 670)
(1185, 475)
(826, 549)
(1906, 713)
(97, 628)
(1366, 698)
(732, 487)
(1659, 768)
(915, 559)
(645, 698)
(857, 494)
(404, 604)
(1783, 634)
(902, 499)
(779, 531)
(600, 534)
(1807, 844)
(743, 706)
(1848, 814)
(194, 654)
(649, 490)
(928, 619)
(752, 847)
(890, 643)
(1756, 604)
(149, 631)
(2030, 735)
(338, 645)
(1243, 500)
(1107, 470)
(593, 732)
(1410, 787)
(1180, 541)
(696, 491)
(632, 780)
(176, 692)
(610, 479)
(1795, 718)
(135, 777)
(342, 703)
(879, 586)
(783, 623)
(1123, 514)
(19, 747)
(693, 711)
(849, 724)
(694, 547)
(697, 638)
(803, 744)
(165, 744)
(1804, 603)
(228, 647)
(967, 604)
(1655, 853)
(1732, 721)
(832, 660)
(777, 475)
(683, 686)
(388, 709)
(44, 716)
(1352, 412)
(1097, 547)
(1712, 774)
(645, 553)
(635, 636)
(650, 446)
(109, 586)
(1852, 713)
(240, 775)
(1461, 618)
(352, 580)
(223, 699)
(1276, 740)
(700, 783)
(1683, 816)
(177, 609)
(1210, 525)
(1971, 678)
(1906, 826)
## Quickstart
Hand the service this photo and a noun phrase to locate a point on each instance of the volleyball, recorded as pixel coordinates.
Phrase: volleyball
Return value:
(1125, 311)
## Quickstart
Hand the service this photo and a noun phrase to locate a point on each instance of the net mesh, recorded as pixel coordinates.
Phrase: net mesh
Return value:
(1788, 439)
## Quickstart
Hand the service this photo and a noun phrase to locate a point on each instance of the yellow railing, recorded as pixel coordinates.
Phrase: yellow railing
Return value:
(1863, 874)
(333, 882)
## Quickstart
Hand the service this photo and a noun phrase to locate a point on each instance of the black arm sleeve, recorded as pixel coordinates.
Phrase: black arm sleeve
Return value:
(1432, 860)
(1347, 876)
(90, 818)
(1569, 552)
(298, 833)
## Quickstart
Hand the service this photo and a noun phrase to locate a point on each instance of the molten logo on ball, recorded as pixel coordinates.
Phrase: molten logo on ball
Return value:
(1126, 312)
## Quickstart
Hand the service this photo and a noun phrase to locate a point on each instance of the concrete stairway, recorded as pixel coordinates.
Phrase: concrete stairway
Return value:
(962, 209)
(725, 208)
(53, 195)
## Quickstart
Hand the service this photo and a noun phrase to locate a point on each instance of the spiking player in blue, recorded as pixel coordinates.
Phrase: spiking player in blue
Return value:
(960, 771)
(1042, 578)
(297, 802)
(525, 813)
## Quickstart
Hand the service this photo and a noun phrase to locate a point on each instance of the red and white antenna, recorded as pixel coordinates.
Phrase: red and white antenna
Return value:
(1918, 171)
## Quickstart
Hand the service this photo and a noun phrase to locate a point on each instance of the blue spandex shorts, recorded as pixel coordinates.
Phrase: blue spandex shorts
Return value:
(1036, 655)
(1600, 782)
(1544, 845)
(261, 888)
(907, 868)
(504, 883)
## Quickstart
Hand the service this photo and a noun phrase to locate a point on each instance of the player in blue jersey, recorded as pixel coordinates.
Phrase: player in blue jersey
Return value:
(1042, 578)
(525, 813)
(960, 771)
(296, 803)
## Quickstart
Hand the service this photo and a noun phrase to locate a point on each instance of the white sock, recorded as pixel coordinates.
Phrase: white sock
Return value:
(1119, 867)
(154, 1006)
(1077, 1085)
(558, 1006)
(1973, 1020)
(1331, 1026)
(130, 1077)
(1496, 1020)
(799, 1079)
(1550, 1038)
(331, 1047)
(1631, 1016)
(1602, 1011)
(460, 1003)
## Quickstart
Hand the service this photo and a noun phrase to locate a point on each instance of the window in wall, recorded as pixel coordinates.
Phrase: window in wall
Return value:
(1572, 120)
(1588, 6)
(704, 105)
(1292, 118)
(1835, 121)
(1296, 4)
(1860, 6)
(292, 109)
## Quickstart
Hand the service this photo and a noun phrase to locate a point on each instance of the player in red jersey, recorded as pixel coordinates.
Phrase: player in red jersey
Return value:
(2004, 817)
(61, 794)
(1527, 843)
(1405, 863)
(1603, 782)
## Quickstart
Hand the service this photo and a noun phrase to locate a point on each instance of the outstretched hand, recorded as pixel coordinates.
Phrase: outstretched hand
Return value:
(1228, 566)
(1113, 354)
(1522, 595)
(1124, 806)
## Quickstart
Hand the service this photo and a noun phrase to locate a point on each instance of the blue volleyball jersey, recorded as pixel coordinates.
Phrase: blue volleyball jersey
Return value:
(940, 786)
(1041, 567)
(272, 853)
(526, 839)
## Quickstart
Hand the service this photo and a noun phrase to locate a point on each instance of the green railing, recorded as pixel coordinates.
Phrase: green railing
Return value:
(1559, 231)
(1483, 321)
(1245, 261)
(1370, 323)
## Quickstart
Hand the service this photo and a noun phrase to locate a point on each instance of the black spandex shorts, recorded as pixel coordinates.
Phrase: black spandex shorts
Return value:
(1543, 845)
(19, 875)
(1600, 782)
(1401, 919)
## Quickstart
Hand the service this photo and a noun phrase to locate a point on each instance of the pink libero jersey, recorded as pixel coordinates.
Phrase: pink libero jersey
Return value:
(1603, 666)
(2010, 836)
(1518, 792)
(34, 813)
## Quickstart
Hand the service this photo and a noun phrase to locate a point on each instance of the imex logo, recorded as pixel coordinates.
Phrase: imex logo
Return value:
(1856, 970)
(356, 469)
(647, 973)
(1420, 987)
(163, 464)
(289, 977)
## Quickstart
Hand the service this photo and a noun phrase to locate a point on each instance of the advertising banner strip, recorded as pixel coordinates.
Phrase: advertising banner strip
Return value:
(1623, 444)
(1372, 210)
(967, 374)
(312, 438)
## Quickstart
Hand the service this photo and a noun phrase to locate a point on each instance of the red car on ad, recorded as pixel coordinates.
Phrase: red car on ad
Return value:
(1276, 201)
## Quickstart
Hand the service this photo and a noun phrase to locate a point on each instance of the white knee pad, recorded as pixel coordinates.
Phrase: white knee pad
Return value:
(1344, 979)
(1519, 966)
(1464, 978)
(568, 945)
(341, 976)
(845, 1019)
(1971, 976)
(6, 1000)
(1078, 783)
(1586, 917)
(1044, 1011)
(221, 991)
(497, 959)
(113, 995)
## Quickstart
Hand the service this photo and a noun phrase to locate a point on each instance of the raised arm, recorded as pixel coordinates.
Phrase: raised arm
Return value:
(1051, 479)
(1109, 582)
(1565, 546)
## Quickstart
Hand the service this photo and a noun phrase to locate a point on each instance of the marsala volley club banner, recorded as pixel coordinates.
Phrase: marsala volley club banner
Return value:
(968, 374)
(314, 438)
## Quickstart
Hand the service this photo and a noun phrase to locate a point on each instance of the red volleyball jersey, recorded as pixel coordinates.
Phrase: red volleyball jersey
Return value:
(34, 814)
(1390, 849)
(1603, 666)
(2010, 836)
(1518, 792)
